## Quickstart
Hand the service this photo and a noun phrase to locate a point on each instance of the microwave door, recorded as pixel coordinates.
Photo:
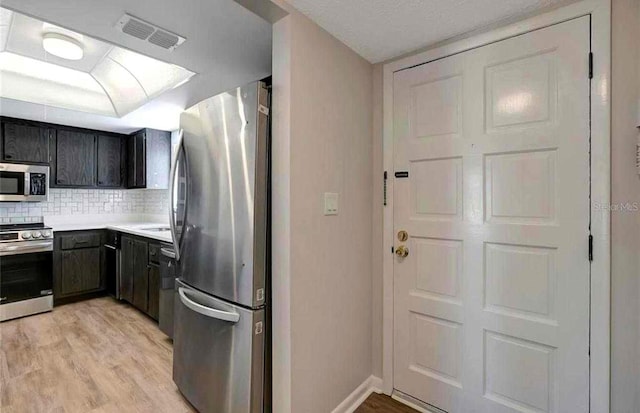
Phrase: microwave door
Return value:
(23, 182)
(13, 183)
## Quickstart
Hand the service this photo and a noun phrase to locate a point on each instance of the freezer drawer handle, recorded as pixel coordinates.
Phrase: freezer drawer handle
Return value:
(207, 311)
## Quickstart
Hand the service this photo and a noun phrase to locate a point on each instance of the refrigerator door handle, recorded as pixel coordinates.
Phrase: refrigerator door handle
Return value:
(168, 253)
(172, 177)
(207, 311)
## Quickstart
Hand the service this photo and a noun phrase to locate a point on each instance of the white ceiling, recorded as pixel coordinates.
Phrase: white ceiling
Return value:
(227, 45)
(25, 38)
(107, 80)
(379, 30)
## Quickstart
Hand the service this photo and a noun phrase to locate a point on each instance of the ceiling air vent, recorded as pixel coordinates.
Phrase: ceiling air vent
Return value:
(164, 39)
(146, 31)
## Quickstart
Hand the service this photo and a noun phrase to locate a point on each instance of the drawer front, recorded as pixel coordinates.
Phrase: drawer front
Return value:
(154, 253)
(82, 240)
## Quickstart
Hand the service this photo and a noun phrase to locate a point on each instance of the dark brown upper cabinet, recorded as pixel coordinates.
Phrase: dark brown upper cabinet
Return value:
(25, 142)
(75, 164)
(111, 161)
(85, 158)
(149, 159)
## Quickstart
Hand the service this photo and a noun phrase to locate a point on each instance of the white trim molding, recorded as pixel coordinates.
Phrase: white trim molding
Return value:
(372, 384)
(600, 13)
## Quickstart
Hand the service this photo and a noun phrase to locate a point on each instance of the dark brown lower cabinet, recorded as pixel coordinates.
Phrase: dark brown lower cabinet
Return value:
(80, 268)
(79, 264)
(126, 268)
(140, 281)
(154, 290)
(140, 275)
(80, 271)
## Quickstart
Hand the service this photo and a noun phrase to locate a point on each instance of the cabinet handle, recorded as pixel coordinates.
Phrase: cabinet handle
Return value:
(7, 156)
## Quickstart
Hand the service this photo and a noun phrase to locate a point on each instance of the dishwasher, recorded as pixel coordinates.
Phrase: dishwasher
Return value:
(168, 274)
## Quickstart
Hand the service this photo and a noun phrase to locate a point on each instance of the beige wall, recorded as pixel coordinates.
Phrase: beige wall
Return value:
(322, 264)
(625, 228)
(625, 254)
(376, 303)
(281, 217)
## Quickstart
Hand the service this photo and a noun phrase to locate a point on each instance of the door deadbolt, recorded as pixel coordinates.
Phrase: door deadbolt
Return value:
(403, 236)
(402, 251)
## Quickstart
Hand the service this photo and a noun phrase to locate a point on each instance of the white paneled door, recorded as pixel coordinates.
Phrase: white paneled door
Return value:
(491, 304)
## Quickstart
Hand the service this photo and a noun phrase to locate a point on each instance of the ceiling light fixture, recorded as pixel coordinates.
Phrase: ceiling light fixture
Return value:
(62, 46)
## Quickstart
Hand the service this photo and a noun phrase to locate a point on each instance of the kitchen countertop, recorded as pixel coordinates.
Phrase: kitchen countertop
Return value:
(139, 228)
(142, 231)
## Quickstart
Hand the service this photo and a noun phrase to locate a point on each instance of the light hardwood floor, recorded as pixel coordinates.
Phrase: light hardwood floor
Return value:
(379, 403)
(93, 356)
(98, 356)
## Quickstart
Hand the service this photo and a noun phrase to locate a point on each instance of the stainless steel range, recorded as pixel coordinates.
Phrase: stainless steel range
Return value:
(26, 270)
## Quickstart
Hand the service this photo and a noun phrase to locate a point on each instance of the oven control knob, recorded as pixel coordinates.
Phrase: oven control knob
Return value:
(37, 234)
(46, 234)
(26, 235)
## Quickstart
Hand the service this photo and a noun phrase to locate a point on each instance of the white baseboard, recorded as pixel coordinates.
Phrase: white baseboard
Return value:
(350, 404)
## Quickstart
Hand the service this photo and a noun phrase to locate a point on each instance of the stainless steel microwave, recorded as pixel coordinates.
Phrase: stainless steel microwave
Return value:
(20, 182)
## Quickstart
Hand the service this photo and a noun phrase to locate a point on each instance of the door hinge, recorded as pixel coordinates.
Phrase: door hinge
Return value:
(590, 65)
(590, 247)
(384, 189)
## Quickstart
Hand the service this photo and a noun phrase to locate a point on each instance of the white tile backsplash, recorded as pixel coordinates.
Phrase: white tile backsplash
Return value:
(88, 201)
(156, 201)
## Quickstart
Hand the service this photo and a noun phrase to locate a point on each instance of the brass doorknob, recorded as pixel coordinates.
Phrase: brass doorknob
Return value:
(402, 251)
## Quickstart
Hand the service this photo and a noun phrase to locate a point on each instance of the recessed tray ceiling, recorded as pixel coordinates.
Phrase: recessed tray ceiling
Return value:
(108, 80)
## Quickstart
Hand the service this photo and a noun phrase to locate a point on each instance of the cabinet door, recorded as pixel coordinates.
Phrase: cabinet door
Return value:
(80, 271)
(158, 159)
(140, 275)
(141, 160)
(136, 167)
(25, 143)
(126, 263)
(154, 291)
(110, 171)
(75, 159)
(131, 162)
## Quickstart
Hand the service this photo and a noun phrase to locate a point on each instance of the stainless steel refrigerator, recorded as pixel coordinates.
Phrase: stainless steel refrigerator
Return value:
(219, 221)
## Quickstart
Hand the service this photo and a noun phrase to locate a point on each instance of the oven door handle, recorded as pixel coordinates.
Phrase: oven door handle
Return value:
(26, 248)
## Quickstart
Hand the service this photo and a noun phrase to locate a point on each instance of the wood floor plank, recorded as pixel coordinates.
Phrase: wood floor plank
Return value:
(380, 403)
(98, 356)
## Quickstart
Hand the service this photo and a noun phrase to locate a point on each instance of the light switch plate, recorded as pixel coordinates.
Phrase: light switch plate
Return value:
(330, 203)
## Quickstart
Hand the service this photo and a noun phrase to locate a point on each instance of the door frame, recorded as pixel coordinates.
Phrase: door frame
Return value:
(600, 12)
